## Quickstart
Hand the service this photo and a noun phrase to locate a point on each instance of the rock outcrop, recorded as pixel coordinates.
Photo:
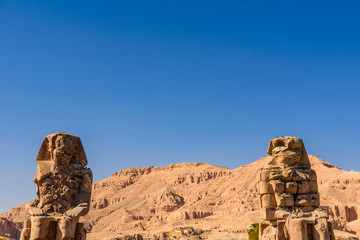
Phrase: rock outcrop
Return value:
(9, 229)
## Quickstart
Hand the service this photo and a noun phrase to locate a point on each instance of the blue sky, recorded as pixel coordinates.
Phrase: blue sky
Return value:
(161, 82)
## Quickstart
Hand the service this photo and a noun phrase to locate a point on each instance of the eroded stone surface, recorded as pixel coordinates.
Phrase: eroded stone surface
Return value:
(289, 197)
(63, 189)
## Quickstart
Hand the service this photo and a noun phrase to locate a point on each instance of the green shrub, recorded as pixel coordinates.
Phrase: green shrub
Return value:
(254, 232)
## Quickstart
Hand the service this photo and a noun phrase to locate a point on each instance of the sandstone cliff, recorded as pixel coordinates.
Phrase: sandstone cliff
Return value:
(9, 229)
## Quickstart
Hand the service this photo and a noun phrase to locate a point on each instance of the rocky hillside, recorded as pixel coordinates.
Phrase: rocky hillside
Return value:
(201, 195)
(9, 229)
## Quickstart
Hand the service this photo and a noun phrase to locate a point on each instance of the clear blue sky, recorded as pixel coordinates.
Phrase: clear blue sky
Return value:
(161, 82)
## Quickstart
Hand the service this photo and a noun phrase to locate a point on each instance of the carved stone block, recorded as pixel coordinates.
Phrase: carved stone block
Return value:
(312, 174)
(291, 187)
(269, 233)
(280, 230)
(265, 187)
(300, 175)
(287, 174)
(268, 213)
(304, 187)
(278, 186)
(313, 187)
(268, 200)
(275, 175)
(302, 200)
(314, 200)
(284, 199)
(264, 174)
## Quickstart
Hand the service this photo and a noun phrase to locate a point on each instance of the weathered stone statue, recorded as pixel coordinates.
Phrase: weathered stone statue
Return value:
(289, 197)
(63, 189)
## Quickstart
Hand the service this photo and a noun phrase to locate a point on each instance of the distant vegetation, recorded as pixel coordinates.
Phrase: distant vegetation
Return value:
(254, 232)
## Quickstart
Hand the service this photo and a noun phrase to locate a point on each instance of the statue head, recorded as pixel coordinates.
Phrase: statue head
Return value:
(287, 152)
(59, 152)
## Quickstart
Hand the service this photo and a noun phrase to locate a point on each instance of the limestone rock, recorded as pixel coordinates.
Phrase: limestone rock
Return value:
(9, 229)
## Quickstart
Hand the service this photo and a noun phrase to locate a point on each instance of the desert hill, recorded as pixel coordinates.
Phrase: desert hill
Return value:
(154, 199)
